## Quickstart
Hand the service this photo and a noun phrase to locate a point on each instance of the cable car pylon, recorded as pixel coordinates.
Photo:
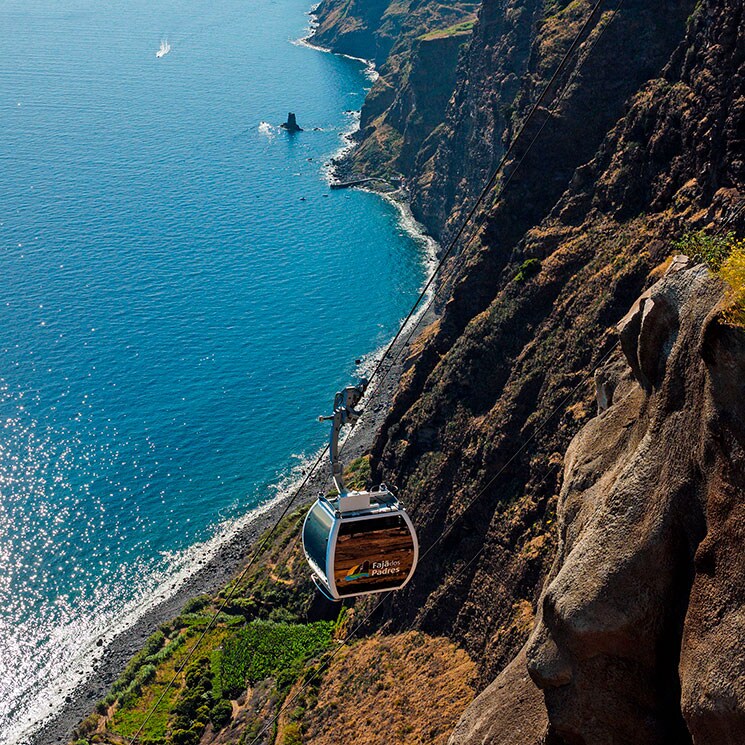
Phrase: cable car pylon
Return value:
(357, 542)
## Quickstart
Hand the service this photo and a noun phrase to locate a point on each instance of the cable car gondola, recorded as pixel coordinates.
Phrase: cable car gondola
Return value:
(359, 542)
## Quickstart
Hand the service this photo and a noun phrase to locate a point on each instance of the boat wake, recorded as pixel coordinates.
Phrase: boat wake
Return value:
(165, 47)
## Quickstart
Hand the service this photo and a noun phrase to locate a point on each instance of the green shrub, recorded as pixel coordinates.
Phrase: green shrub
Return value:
(199, 674)
(202, 715)
(195, 604)
(246, 607)
(128, 698)
(529, 268)
(292, 735)
(148, 654)
(146, 673)
(281, 615)
(701, 246)
(133, 691)
(185, 737)
(191, 712)
(189, 702)
(724, 255)
(287, 676)
(166, 652)
(221, 713)
(154, 643)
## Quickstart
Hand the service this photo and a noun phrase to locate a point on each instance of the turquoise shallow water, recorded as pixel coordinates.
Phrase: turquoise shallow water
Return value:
(173, 316)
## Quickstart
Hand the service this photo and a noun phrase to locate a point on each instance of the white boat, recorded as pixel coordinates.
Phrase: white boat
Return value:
(165, 47)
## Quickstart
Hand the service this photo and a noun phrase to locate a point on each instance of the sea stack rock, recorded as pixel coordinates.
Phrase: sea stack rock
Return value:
(291, 124)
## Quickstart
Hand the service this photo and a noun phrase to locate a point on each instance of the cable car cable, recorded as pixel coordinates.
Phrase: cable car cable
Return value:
(340, 535)
(255, 554)
(512, 173)
(384, 598)
(492, 179)
(487, 188)
(344, 642)
(447, 532)
(509, 178)
(257, 551)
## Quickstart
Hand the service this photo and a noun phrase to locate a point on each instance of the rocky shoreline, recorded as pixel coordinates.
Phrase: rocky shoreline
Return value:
(218, 571)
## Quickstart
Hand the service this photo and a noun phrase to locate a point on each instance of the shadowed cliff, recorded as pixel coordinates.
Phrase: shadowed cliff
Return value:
(624, 647)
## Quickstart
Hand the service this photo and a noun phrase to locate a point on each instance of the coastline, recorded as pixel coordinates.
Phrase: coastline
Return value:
(228, 558)
(226, 563)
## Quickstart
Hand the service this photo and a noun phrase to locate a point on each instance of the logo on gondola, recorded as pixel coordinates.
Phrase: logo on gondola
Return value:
(359, 572)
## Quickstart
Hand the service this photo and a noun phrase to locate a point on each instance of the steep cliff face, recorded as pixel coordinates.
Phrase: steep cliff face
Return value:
(516, 48)
(498, 386)
(712, 660)
(606, 646)
(415, 45)
(445, 130)
(638, 636)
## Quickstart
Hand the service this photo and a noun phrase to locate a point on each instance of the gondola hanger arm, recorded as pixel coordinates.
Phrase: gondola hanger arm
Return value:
(344, 413)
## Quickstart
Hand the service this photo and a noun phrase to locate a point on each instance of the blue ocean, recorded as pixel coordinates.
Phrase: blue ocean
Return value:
(180, 296)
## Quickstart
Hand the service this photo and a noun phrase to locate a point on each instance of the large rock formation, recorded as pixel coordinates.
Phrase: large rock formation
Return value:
(712, 663)
(645, 597)
(644, 145)
(415, 45)
(606, 646)
(509, 712)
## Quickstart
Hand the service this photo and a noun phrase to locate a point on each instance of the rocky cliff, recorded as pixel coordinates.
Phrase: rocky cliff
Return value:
(415, 46)
(645, 481)
(644, 145)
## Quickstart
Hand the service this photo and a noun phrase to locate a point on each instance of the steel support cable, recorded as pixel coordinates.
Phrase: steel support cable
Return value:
(727, 221)
(486, 189)
(451, 246)
(489, 184)
(254, 555)
(252, 559)
(442, 536)
(730, 219)
(561, 405)
(509, 178)
(385, 597)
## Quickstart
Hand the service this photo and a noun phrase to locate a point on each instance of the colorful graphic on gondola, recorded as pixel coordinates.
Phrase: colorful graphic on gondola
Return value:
(359, 572)
(374, 554)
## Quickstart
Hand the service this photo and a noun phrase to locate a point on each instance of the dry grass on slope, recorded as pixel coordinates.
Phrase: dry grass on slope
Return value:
(407, 689)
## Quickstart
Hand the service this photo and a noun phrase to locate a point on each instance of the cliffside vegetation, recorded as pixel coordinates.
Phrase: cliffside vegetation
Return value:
(725, 256)
(273, 643)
